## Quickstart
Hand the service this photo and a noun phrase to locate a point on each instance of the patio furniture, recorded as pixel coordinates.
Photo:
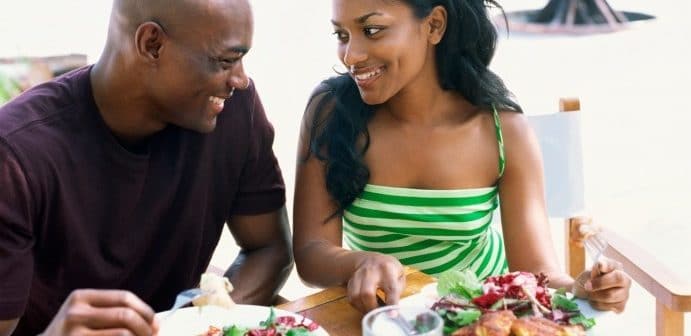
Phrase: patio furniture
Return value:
(672, 292)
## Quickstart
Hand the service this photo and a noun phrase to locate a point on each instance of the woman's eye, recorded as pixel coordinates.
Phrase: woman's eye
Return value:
(371, 31)
(341, 36)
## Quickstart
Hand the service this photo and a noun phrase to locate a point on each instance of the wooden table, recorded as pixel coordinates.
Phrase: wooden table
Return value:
(330, 308)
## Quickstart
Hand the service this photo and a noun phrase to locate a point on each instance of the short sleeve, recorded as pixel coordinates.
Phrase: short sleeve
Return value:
(260, 188)
(16, 235)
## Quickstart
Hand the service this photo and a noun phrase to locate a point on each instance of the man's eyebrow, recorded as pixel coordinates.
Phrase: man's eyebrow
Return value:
(237, 50)
(360, 19)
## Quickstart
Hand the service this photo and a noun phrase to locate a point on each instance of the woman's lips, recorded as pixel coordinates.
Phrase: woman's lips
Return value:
(365, 77)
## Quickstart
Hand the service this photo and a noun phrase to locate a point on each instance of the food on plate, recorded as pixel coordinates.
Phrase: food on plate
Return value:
(517, 303)
(537, 326)
(491, 324)
(272, 326)
(219, 287)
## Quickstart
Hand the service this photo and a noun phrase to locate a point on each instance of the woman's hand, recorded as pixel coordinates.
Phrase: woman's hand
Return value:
(103, 312)
(605, 286)
(376, 271)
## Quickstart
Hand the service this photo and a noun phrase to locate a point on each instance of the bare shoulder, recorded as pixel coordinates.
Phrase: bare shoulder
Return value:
(515, 127)
(320, 101)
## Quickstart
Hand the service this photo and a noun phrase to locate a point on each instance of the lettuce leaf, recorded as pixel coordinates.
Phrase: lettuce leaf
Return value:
(463, 284)
(561, 301)
(587, 323)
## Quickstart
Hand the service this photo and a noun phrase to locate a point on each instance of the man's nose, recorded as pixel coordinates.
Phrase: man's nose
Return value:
(238, 78)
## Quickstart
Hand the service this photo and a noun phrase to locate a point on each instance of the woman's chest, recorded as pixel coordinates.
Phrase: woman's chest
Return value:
(446, 159)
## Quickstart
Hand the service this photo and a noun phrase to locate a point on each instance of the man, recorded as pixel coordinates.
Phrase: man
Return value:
(119, 177)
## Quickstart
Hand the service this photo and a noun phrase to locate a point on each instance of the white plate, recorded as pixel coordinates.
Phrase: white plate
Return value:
(428, 296)
(193, 321)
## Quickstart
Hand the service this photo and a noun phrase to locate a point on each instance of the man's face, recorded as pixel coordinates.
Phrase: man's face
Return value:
(201, 64)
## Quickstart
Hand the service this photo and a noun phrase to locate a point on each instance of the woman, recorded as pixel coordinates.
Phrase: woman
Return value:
(408, 153)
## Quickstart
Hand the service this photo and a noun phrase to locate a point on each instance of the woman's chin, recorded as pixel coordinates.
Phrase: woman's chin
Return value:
(371, 99)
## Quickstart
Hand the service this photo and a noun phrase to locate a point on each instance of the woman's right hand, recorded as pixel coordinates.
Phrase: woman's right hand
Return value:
(103, 312)
(376, 271)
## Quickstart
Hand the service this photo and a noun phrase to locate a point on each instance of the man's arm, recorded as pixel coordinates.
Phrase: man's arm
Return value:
(265, 258)
(7, 327)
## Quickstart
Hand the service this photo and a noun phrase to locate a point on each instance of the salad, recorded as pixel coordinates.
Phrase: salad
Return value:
(272, 326)
(465, 299)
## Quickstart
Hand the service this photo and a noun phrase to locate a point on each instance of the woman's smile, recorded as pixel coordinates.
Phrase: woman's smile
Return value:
(365, 77)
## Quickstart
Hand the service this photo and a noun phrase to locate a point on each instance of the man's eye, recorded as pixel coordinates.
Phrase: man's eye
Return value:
(228, 61)
(371, 31)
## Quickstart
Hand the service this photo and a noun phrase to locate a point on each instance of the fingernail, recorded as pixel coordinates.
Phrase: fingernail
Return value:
(588, 286)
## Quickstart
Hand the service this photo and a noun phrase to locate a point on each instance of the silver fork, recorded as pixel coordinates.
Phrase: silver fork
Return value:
(185, 297)
(595, 243)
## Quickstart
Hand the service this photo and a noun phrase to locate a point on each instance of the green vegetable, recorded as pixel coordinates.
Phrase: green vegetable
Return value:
(464, 284)
(561, 301)
(298, 332)
(234, 331)
(465, 317)
(269, 320)
(587, 323)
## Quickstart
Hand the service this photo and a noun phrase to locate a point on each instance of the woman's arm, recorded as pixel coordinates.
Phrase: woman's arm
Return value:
(317, 236)
(527, 234)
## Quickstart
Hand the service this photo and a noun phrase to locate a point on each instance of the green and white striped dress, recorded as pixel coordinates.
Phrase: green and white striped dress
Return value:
(431, 230)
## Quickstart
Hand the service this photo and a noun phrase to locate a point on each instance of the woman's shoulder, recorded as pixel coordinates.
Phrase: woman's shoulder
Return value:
(513, 124)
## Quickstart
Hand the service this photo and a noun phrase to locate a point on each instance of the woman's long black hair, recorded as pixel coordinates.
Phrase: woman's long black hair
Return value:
(463, 56)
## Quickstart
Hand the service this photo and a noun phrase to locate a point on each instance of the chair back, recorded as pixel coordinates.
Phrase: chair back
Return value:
(559, 136)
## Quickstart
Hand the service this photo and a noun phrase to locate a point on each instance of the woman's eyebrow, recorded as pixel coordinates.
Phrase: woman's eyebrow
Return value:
(360, 19)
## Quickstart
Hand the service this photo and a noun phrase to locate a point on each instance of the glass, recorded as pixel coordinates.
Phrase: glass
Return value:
(402, 320)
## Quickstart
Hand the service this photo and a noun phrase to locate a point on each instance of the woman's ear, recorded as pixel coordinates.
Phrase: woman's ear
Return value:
(437, 20)
(149, 39)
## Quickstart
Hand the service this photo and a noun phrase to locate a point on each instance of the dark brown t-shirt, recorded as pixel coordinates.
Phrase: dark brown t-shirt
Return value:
(78, 210)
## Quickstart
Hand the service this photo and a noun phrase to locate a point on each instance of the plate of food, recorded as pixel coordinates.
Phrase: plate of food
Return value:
(216, 314)
(517, 303)
(239, 320)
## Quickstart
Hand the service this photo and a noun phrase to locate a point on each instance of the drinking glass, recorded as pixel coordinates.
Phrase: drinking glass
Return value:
(398, 320)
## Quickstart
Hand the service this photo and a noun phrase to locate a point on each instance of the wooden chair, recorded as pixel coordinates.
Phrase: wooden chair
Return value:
(559, 135)
(672, 293)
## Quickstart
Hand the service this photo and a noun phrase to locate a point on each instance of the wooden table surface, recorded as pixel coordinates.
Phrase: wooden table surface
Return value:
(331, 310)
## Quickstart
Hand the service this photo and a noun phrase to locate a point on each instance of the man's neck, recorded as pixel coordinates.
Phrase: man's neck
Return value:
(122, 102)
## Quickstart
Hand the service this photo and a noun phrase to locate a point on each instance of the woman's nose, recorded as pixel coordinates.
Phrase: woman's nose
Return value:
(354, 54)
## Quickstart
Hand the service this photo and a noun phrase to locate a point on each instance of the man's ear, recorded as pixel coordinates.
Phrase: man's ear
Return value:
(149, 39)
(437, 20)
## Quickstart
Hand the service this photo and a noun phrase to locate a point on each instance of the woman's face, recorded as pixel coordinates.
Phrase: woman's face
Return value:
(383, 45)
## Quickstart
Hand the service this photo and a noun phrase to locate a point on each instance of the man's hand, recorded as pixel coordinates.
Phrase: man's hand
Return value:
(605, 286)
(376, 271)
(103, 312)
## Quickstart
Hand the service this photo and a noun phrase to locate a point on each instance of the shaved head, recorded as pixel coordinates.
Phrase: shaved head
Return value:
(175, 16)
(172, 61)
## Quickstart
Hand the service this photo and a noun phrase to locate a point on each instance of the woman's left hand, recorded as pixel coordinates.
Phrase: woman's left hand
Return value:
(605, 286)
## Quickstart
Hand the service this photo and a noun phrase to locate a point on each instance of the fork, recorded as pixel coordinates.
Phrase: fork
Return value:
(595, 243)
(185, 297)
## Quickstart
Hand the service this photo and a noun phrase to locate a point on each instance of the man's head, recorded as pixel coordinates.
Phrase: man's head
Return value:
(184, 55)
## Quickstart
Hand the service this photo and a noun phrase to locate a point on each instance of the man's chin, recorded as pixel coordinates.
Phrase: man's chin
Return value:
(207, 126)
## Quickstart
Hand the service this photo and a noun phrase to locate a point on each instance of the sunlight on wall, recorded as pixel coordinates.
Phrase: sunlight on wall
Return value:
(44, 27)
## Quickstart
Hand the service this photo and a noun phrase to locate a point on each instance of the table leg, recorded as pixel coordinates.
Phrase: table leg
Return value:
(668, 322)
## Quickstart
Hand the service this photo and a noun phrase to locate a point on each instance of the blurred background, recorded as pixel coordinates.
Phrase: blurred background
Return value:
(632, 84)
